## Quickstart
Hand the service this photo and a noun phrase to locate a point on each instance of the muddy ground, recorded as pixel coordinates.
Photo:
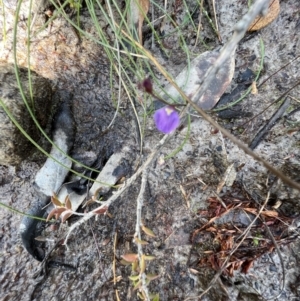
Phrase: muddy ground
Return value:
(181, 193)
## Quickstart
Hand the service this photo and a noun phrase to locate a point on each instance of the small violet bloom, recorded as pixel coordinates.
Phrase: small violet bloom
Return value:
(166, 119)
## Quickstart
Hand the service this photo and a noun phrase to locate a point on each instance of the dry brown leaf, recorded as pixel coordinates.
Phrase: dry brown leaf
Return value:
(214, 262)
(55, 212)
(227, 244)
(230, 231)
(68, 203)
(193, 271)
(182, 190)
(136, 16)
(211, 229)
(100, 210)
(230, 270)
(246, 266)
(143, 12)
(251, 210)
(185, 195)
(55, 201)
(270, 213)
(65, 215)
(261, 22)
(208, 252)
(130, 257)
(254, 90)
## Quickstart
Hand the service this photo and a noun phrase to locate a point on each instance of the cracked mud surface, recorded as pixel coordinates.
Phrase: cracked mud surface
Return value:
(178, 189)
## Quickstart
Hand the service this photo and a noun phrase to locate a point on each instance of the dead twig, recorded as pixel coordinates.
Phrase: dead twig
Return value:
(138, 225)
(199, 25)
(114, 266)
(272, 103)
(128, 183)
(213, 4)
(266, 128)
(262, 83)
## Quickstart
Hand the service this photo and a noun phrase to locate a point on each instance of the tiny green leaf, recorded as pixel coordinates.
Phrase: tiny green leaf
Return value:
(142, 265)
(124, 262)
(55, 201)
(141, 242)
(134, 278)
(152, 276)
(149, 257)
(138, 285)
(135, 266)
(148, 231)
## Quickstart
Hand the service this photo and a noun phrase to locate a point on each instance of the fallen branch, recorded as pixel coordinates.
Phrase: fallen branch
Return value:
(128, 183)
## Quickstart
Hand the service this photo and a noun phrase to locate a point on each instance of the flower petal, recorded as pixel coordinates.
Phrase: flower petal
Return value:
(166, 119)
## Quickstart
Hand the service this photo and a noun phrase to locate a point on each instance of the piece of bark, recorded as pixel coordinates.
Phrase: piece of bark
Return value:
(190, 79)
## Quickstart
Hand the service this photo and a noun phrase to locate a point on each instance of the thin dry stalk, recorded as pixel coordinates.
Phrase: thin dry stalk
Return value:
(138, 225)
(114, 266)
(280, 257)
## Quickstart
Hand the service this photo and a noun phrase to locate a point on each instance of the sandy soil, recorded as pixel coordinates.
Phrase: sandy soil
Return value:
(181, 193)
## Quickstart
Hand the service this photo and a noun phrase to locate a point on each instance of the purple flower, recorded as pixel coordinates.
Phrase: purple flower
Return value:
(166, 119)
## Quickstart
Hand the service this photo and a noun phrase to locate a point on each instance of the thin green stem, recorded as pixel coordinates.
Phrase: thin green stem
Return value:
(22, 213)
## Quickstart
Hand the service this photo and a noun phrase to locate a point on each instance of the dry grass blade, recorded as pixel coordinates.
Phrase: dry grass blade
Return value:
(137, 11)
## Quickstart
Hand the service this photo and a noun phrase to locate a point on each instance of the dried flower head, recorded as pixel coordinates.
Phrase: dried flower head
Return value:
(146, 85)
